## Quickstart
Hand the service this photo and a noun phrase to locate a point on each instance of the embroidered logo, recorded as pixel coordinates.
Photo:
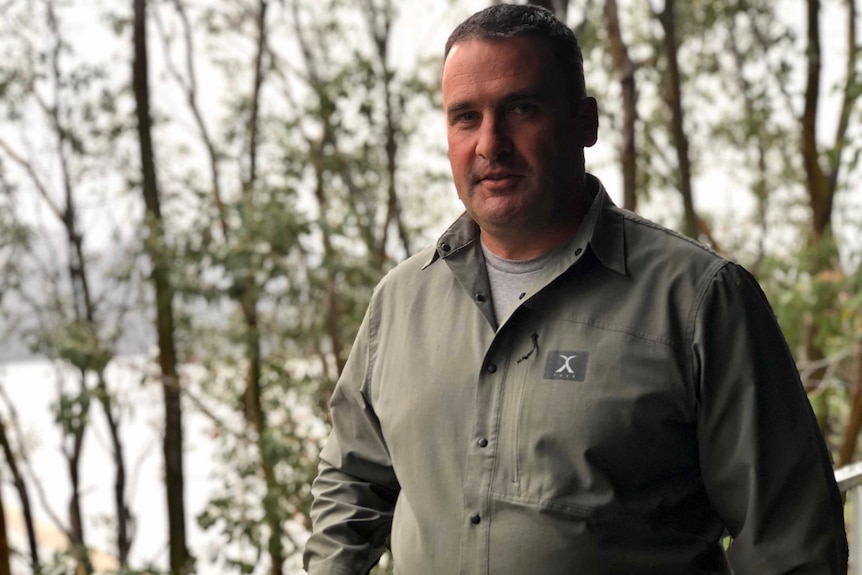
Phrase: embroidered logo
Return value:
(567, 365)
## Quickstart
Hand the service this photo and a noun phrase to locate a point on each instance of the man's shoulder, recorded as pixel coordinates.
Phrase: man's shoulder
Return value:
(624, 240)
(648, 239)
(661, 257)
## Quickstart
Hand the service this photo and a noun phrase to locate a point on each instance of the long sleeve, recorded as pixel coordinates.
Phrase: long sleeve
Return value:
(355, 490)
(765, 465)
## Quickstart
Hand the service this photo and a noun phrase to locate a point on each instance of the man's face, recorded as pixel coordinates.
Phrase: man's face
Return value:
(515, 136)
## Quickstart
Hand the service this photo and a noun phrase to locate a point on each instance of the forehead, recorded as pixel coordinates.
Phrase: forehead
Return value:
(495, 64)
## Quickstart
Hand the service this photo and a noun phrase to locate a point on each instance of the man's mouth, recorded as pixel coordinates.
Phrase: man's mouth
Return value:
(500, 177)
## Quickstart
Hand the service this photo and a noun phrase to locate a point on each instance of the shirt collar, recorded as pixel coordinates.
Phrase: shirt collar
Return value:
(602, 229)
(607, 236)
(462, 233)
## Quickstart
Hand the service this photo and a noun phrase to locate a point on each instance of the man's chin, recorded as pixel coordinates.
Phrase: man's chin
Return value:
(499, 220)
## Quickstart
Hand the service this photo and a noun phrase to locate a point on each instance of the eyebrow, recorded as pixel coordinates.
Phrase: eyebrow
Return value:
(458, 106)
(531, 94)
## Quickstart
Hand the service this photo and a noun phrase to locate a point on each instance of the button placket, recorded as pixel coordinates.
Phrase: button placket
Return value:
(481, 455)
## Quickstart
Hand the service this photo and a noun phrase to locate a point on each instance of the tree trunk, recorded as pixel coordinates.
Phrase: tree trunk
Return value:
(819, 197)
(673, 96)
(625, 71)
(179, 558)
(76, 518)
(822, 185)
(80, 300)
(380, 24)
(249, 298)
(851, 432)
(819, 194)
(24, 499)
(257, 421)
(124, 536)
(5, 567)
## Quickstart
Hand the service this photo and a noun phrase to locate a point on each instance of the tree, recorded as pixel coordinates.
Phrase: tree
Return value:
(75, 322)
(673, 97)
(5, 568)
(294, 242)
(824, 167)
(24, 498)
(180, 559)
(625, 70)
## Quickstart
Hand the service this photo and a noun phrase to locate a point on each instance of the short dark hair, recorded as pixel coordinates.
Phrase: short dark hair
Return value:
(513, 20)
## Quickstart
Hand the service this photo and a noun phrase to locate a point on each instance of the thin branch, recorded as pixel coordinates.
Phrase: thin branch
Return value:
(27, 166)
(849, 98)
(33, 478)
(23, 495)
(188, 84)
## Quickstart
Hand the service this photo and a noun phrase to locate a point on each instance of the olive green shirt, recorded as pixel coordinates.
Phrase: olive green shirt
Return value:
(639, 402)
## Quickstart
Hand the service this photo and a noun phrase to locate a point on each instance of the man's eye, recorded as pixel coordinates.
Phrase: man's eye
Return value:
(465, 118)
(523, 109)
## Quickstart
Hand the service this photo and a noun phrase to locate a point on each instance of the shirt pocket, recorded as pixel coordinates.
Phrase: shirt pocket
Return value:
(596, 416)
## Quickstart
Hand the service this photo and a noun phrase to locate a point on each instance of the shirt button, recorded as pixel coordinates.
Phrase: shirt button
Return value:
(480, 297)
(578, 251)
(491, 368)
(483, 442)
(521, 295)
(475, 519)
(446, 247)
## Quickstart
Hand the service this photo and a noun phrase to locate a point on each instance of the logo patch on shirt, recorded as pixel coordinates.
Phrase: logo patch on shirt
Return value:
(567, 365)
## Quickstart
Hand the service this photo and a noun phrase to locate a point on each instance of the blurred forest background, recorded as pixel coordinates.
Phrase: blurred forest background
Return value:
(197, 197)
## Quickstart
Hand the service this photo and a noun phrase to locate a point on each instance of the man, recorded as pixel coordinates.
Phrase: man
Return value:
(559, 386)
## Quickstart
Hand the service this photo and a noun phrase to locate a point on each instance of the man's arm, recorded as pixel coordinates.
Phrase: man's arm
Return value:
(764, 463)
(355, 489)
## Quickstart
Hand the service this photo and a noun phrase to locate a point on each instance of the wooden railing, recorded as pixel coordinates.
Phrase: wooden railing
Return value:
(849, 480)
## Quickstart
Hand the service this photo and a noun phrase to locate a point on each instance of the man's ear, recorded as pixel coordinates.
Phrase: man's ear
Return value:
(588, 120)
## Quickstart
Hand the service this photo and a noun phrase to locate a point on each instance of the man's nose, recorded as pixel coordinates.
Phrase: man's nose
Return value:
(493, 141)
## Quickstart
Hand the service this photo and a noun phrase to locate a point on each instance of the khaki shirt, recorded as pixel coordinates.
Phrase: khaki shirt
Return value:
(638, 403)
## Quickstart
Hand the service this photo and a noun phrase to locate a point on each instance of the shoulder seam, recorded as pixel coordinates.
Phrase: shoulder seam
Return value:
(636, 219)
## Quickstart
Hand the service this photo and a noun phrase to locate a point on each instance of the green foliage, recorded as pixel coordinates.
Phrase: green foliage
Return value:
(290, 253)
(78, 344)
(15, 240)
(72, 411)
(820, 305)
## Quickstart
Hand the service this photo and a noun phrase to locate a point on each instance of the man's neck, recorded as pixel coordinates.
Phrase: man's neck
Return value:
(530, 242)
(526, 246)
